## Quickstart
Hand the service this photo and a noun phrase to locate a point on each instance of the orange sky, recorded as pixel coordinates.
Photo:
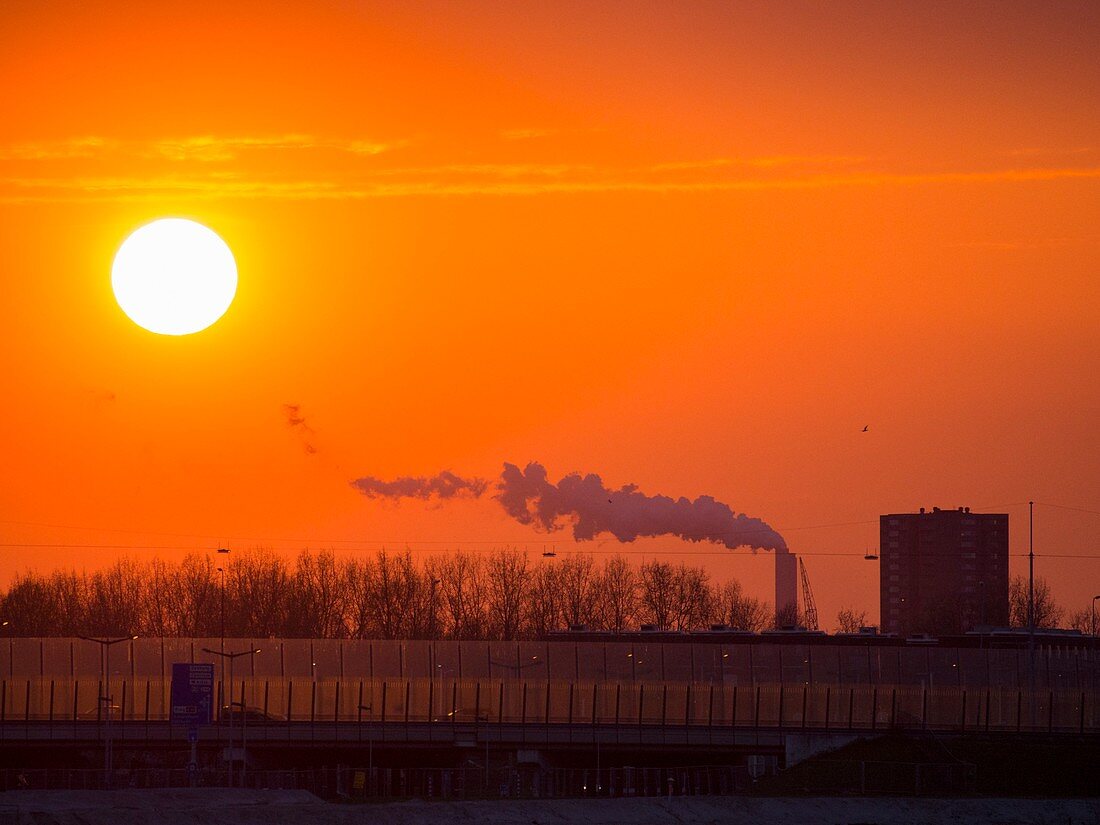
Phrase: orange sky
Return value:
(691, 246)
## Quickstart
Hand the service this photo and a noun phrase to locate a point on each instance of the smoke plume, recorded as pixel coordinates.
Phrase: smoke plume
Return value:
(443, 486)
(530, 498)
(297, 422)
(592, 509)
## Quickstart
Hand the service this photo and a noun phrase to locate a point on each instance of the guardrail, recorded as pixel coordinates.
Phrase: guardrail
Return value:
(1050, 667)
(360, 782)
(271, 702)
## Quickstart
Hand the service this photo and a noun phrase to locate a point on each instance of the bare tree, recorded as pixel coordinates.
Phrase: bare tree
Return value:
(29, 601)
(114, 599)
(1047, 612)
(694, 598)
(69, 593)
(262, 586)
(658, 595)
(788, 616)
(197, 597)
(508, 579)
(1081, 620)
(545, 603)
(617, 607)
(578, 579)
(732, 607)
(462, 595)
(849, 620)
(157, 618)
(386, 595)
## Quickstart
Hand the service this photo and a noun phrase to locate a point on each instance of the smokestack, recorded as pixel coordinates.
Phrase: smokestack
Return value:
(786, 588)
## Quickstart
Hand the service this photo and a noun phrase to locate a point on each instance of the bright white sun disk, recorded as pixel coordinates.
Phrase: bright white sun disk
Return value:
(174, 276)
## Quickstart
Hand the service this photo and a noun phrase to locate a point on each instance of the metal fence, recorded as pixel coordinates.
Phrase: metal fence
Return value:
(1055, 667)
(890, 778)
(350, 782)
(275, 703)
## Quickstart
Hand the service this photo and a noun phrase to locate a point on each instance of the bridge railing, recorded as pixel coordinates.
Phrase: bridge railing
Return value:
(549, 702)
(762, 662)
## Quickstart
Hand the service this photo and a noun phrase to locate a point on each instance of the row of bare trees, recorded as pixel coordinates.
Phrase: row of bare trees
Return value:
(387, 595)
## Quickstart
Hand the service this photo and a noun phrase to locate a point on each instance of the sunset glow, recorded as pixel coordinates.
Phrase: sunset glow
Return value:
(782, 266)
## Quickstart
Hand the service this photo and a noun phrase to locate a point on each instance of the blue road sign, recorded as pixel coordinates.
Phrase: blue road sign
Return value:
(192, 694)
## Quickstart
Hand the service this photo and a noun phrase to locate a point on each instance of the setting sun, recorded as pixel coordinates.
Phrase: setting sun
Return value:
(174, 277)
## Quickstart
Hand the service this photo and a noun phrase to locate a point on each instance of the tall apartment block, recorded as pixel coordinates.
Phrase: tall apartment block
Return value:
(943, 571)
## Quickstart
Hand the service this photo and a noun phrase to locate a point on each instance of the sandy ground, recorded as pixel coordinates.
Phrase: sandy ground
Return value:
(225, 807)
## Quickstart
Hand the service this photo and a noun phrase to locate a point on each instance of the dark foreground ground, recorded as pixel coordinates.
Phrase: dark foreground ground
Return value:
(229, 807)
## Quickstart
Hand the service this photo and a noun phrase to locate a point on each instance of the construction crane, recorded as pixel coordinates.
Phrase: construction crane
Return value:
(809, 607)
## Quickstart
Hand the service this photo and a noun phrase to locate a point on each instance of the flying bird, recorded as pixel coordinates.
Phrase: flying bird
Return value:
(865, 426)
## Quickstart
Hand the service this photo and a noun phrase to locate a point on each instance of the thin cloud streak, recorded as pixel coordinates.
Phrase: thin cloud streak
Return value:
(125, 189)
(210, 148)
(81, 147)
(200, 148)
(762, 162)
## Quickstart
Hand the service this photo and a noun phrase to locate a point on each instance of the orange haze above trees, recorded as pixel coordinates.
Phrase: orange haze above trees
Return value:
(383, 596)
(818, 261)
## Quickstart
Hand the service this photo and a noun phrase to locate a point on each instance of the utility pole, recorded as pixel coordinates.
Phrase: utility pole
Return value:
(1031, 603)
(1031, 566)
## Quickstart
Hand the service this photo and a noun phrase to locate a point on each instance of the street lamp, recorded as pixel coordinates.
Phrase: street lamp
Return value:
(105, 646)
(6, 623)
(1094, 598)
(231, 657)
(221, 578)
